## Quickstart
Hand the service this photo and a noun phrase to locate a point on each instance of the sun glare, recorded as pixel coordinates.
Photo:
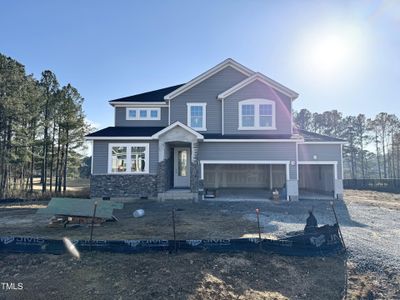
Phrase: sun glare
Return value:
(331, 53)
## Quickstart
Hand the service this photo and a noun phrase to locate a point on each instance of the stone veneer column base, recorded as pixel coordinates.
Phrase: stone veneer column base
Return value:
(123, 186)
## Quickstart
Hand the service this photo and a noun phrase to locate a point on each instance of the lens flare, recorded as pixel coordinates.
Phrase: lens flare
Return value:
(71, 248)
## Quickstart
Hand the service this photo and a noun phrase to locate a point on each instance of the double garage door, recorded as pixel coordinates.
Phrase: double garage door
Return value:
(244, 176)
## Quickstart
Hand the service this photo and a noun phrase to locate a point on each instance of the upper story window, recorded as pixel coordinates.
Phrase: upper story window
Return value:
(143, 113)
(128, 158)
(196, 116)
(257, 114)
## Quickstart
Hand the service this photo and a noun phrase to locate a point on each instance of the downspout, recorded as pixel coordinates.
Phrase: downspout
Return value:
(169, 112)
(291, 114)
(222, 118)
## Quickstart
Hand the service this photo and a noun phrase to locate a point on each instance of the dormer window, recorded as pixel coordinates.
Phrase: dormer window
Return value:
(257, 114)
(196, 116)
(143, 113)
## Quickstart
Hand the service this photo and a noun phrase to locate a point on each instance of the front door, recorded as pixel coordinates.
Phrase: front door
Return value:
(181, 167)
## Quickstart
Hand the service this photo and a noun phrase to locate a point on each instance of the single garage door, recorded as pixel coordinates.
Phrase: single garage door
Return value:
(316, 179)
(244, 176)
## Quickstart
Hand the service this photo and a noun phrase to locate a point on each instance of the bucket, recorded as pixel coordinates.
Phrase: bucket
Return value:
(138, 213)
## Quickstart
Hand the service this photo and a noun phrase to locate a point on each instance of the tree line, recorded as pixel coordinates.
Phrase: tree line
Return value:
(373, 144)
(42, 125)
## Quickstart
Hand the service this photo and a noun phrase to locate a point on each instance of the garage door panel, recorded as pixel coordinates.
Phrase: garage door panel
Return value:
(318, 178)
(221, 176)
(244, 176)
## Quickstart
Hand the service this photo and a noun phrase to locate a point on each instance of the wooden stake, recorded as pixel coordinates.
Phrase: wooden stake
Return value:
(91, 229)
(173, 228)
(337, 222)
(258, 224)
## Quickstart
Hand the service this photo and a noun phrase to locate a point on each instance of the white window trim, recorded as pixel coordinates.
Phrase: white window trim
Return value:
(256, 103)
(148, 109)
(128, 157)
(204, 105)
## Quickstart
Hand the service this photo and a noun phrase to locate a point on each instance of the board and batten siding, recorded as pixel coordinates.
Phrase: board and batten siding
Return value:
(278, 151)
(207, 92)
(120, 119)
(328, 152)
(100, 155)
(258, 90)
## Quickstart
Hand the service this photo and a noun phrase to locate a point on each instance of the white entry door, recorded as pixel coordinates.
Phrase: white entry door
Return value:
(181, 167)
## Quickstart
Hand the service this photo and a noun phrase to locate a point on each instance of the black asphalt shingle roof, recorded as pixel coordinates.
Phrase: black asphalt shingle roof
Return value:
(152, 96)
(246, 136)
(126, 132)
(316, 137)
(149, 131)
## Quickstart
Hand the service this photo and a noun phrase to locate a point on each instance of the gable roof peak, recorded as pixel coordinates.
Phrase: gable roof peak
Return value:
(264, 79)
(229, 62)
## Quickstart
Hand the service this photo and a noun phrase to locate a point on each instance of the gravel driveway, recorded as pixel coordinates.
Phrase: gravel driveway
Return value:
(369, 225)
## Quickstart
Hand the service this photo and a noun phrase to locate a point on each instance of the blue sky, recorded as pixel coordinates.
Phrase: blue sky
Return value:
(111, 49)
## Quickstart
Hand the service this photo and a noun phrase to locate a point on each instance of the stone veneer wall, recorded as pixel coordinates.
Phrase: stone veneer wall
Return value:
(122, 186)
(194, 177)
(164, 181)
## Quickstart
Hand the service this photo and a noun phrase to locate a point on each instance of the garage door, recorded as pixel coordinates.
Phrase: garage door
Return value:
(317, 178)
(244, 175)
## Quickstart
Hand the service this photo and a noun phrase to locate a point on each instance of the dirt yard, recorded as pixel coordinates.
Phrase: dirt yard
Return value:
(368, 222)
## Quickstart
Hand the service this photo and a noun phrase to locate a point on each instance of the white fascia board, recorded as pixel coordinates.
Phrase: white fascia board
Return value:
(322, 143)
(195, 81)
(250, 140)
(125, 138)
(138, 104)
(317, 162)
(264, 79)
(175, 124)
(251, 162)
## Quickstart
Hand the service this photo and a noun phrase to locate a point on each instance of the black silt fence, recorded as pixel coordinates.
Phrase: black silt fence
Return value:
(379, 185)
(324, 242)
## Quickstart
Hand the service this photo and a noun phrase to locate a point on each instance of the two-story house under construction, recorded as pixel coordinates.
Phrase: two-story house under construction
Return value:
(229, 130)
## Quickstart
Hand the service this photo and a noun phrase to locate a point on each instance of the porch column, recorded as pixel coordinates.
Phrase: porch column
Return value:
(292, 183)
(194, 168)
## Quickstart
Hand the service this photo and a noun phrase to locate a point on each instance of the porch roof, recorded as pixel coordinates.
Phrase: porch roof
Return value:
(123, 131)
(148, 132)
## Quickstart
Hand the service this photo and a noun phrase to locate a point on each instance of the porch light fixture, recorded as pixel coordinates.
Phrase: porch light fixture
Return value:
(315, 156)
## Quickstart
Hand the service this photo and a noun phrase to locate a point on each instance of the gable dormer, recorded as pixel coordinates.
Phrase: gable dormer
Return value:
(195, 103)
(257, 105)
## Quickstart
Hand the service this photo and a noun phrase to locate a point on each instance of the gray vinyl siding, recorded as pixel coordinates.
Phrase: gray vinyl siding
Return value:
(120, 119)
(328, 152)
(249, 151)
(207, 91)
(257, 89)
(100, 155)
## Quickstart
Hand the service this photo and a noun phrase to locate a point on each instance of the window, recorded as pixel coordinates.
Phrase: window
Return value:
(256, 114)
(143, 113)
(196, 116)
(182, 162)
(128, 158)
